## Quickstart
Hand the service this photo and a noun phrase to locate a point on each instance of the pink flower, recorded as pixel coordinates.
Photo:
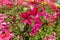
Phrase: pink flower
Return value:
(3, 16)
(20, 2)
(6, 35)
(45, 15)
(1, 20)
(1, 3)
(35, 1)
(8, 3)
(55, 15)
(52, 1)
(3, 24)
(50, 37)
(53, 7)
(50, 17)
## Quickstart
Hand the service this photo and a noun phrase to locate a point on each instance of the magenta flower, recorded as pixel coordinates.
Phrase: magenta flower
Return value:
(37, 20)
(34, 11)
(34, 30)
(26, 18)
(36, 27)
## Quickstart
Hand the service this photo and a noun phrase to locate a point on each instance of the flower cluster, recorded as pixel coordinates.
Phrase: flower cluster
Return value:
(32, 15)
(29, 19)
(11, 3)
(51, 37)
(50, 17)
(4, 32)
(3, 24)
(5, 35)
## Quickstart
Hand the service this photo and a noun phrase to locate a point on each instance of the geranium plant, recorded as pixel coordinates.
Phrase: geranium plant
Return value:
(29, 20)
